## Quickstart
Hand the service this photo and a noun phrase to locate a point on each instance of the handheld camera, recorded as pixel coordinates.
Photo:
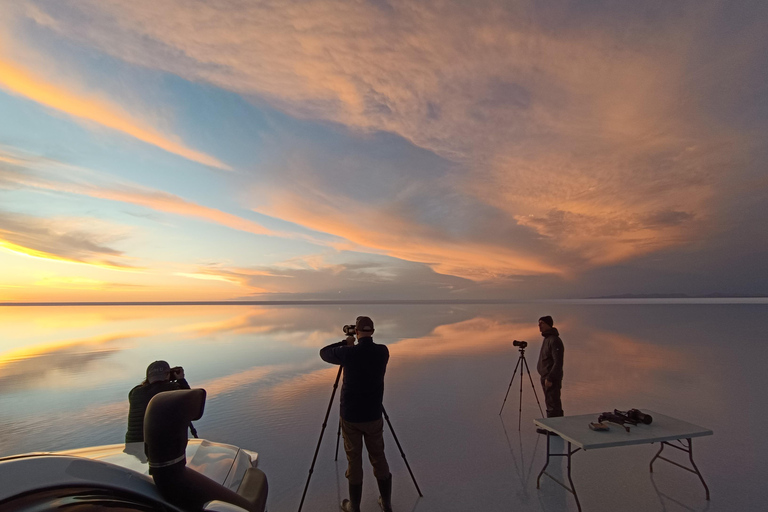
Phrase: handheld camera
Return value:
(349, 330)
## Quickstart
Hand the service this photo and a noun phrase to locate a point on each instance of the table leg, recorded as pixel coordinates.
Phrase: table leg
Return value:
(573, 489)
(689, 451)
(568, 454)
(545, 464)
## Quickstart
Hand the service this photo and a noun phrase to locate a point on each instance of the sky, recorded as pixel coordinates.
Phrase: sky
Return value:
(353, 150)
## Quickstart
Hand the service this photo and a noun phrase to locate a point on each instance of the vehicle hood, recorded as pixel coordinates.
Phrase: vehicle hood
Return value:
(222, 463)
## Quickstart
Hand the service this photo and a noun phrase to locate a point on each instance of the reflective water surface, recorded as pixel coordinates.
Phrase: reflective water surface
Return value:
(65, 373)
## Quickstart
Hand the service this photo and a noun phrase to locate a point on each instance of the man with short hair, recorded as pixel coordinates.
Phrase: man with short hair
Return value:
(160, 377)
(550, 366)
(362, 392)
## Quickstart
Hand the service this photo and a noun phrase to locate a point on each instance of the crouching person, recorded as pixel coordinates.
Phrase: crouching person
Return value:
(362, 393)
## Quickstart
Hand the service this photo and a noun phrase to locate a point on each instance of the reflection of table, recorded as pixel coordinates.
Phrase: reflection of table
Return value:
(575, 431)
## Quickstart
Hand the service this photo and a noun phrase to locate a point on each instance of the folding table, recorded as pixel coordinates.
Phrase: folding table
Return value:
(575, 431)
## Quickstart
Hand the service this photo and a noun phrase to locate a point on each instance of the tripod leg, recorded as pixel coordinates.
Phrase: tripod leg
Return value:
(509, 387)
(338, 435)
(386, 417)
(520, 403)
(534, 387)
(322, 431)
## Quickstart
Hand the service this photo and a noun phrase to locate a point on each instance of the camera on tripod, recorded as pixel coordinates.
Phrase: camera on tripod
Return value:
(522, 364)
(349, 330)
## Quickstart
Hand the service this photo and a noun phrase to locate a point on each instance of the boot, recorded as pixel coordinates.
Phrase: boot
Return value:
(355, 495)
(385, 489)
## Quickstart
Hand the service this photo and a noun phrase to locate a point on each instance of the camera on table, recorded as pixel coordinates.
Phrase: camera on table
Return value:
(349, 330)
(521, 344)
(639, 417)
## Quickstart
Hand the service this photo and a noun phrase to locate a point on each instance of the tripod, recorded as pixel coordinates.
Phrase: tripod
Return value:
(322, 431)
(521, 361)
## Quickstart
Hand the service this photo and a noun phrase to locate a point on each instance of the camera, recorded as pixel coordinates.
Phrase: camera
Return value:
(521, 344)
(639, 417)
(175, 372)
(349, 330)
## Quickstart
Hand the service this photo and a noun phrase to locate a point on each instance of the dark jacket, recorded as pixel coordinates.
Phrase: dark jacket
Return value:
(362, 389)
(139, 398)
(550, 364)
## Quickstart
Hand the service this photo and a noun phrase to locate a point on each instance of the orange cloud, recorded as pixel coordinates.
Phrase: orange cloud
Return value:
(372, 230)
(169, 203)
(82, 283)
(45, 255)
(23, 83)
(58, 240)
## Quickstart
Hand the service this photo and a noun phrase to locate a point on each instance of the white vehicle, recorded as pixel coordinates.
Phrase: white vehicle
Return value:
(116, 478)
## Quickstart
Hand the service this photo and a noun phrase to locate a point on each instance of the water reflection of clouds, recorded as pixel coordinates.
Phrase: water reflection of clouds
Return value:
(26, 368)
(236, 381)
(478, 334)
(606, 367)
(250, 322)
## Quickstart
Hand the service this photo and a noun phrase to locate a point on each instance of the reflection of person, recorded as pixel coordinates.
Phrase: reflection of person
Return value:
(550, 366)
(160, 377)
(362, 392)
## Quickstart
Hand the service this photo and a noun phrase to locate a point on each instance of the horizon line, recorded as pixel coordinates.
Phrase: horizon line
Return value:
(318, 302)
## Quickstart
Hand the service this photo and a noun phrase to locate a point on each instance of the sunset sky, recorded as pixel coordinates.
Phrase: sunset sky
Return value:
(350, 150)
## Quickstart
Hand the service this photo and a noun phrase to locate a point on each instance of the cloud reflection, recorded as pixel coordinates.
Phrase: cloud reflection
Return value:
(29, 367)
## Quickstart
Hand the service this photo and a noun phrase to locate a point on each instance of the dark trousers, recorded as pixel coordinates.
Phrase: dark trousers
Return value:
(552, 398)
(190, 490)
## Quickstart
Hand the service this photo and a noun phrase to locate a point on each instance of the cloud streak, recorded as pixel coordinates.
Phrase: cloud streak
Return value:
(384, 231)
(84, 107)
(85, 183)
(60, 240)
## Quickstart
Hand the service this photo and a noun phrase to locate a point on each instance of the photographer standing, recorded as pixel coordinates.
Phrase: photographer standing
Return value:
(362, 392)
(550, 367)
(160, 377)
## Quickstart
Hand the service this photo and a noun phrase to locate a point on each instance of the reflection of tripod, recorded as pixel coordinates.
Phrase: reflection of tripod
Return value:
(521, 359)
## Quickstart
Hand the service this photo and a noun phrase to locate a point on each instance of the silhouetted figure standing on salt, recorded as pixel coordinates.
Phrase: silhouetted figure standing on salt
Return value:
(362, 392)
(550, 366)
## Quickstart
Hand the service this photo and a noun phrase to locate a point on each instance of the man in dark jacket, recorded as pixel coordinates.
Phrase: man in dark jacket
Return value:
(550, 366)
(362, 392)
(160, 377)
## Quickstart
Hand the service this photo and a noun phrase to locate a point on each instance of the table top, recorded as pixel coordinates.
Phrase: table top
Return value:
(663, 428)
